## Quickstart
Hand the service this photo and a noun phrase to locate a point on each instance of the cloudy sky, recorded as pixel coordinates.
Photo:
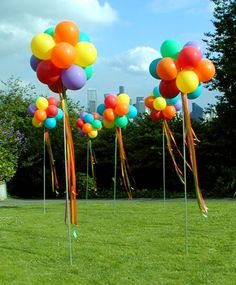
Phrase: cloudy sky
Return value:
(127, 34)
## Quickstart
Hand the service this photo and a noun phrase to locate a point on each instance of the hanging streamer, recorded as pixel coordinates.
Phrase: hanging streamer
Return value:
(191, 148)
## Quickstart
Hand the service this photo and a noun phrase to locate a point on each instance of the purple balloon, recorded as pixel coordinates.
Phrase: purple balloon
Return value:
(82, 134)
(196, 45)
(32, 109)
(34, 62)
(82, 115)
(178, 106)
(74, 77)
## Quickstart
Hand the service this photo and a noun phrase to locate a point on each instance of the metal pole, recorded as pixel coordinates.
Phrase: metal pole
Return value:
(164, 165)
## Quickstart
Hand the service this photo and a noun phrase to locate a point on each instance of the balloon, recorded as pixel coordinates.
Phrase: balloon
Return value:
(187, 81)
(196, 45)
(108, 124)
(32, 109)
(63, 55)
(59, 115)
(50, 123)
(50, 31)
(47, 72)
(41, 103)
(110, 101)
(109, 115)
(34, 62)
(86, 54)
(172, 101)
(88, 118)
(79, 123)
(196, 93)
(57, 86)
(168, 89)
(121, 109)
(189, 57)
(42, 45)
(133, 112)
(82, 115)
(52, 101)
(169, 112)
(153, 66)
(89, 71)
(159, 104)
(36, 124)
(171, 48)
(84, 37)
(87, 128)
(92, 134)
(40, 115)
(167, 68)
(178, 105)
(96, 124)
(121, 121)
(148, 101)
(100, 109)
(156, 115)
(67, 31)
(156, 92)
(205, 70)
(95, 115)
(123, 98)
(74, 77)
(52, 111)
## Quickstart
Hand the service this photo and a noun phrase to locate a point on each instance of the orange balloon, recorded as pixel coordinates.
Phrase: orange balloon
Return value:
(67, 31)
(87, 128)
(149, 101)
(121, 109)
(169, 112)
(109, 115)
(40, 115)
(167, 68)
(205, 70)
(63, 55)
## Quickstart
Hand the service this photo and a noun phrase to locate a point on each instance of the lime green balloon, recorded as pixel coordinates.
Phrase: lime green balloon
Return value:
(50, 31)
(187, 81)
(42, 45)
(159, 103)
(88, 71)
(171, 48)
(121, 121)
(96, 124)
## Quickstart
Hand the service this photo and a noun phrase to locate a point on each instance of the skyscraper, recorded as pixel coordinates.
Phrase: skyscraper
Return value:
(92, 100)
(140, 105)
(197, 112)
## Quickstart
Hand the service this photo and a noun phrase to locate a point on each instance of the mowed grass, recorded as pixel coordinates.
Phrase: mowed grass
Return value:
(126, 242)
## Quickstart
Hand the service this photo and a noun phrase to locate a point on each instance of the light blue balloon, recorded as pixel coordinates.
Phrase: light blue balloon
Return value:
(84, 37)
(152, 68)
(172, 101)
(156, 91)
(101, 108)
(88, 118)
(196, 93)
(133, 112)
(50, 123)
(59, 115)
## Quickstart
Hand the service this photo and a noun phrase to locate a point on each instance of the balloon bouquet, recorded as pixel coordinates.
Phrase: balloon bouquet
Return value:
(116, 112)
(182, 69)
(62, 58)
(88, 125)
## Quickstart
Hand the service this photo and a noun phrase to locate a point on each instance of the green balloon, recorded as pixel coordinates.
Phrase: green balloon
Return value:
(171, 48)
(89, 71)
(50, 31)
(96, 124)
(121, 121)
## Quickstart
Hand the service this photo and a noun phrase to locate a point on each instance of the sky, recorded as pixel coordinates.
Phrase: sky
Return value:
(127, 34)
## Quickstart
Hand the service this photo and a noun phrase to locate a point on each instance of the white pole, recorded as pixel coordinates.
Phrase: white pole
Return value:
(88, 146)
(164, 165)
(115, 167)
(44, 173)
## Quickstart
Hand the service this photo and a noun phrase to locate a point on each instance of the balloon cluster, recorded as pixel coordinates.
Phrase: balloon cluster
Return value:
(45, 112)
(160, 107)
(63, 57)
(89, 124)
(116, 110)
(181, 69)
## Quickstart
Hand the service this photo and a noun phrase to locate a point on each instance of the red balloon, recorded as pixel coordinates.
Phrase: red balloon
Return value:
(79, 123)
(52, 111)
(110, 101)
(47, 72)
(189, 57)
(57, 87)
(169, 112)
(168, 89)
(156, 115)
(52, 101)
(95, 115)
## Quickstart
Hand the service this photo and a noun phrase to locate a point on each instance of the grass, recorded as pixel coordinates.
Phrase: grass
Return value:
(138, 242)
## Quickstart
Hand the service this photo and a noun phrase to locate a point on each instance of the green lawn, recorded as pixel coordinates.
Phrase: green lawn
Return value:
(137, 242)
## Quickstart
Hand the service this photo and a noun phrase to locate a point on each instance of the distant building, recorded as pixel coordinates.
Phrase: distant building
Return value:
(140, 105)
(121, 89)
(91, 100)
(197, 112)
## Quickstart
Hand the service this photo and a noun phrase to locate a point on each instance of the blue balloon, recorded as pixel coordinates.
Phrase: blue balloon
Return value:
(196, 93)
(84, 37)
(50, 123)
(59, 115)
(34, 62)
(100, 109)
(156, 91)
(32, 109)
(152, 68)
(172, 101)
(133, 112)
(88, 118)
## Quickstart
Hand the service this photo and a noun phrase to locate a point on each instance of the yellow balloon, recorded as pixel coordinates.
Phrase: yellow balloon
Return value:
(123, 98)
(93, 134)
(187, 81)
(41, 103)
(108, 125)
(36, 124)
(159, 103)
(42, 45)
(86, 54)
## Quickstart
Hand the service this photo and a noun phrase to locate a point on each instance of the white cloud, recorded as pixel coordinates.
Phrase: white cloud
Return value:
(136, 60)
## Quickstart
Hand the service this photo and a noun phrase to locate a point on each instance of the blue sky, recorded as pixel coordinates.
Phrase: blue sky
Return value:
(127, 34)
